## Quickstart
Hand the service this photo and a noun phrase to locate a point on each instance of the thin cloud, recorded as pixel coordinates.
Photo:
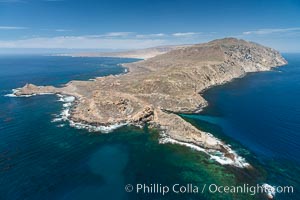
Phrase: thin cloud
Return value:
(63, 30)
(271, 31)
(154, 35)
(185, 34)
(56, 30)
(117, 34)
(112, 35)
(12, 28)
(81, 42)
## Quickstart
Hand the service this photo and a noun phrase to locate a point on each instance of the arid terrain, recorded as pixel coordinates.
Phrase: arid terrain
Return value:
(154, 90)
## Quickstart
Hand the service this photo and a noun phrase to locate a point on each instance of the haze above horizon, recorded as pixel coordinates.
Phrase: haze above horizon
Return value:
(133, 24)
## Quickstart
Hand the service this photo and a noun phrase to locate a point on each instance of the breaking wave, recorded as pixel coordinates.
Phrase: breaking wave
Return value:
(218, 156)
(14, 91)
(65, 114)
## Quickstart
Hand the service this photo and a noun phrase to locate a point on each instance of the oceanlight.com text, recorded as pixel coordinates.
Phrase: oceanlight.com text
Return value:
(157, 188)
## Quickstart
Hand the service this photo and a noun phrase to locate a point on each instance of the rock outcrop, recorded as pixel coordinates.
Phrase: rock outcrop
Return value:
(156, 88)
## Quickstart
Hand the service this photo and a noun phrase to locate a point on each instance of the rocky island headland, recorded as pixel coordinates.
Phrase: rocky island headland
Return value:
(155, 90)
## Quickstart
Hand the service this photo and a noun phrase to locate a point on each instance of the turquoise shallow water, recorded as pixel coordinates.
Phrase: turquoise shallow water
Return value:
(39, 160)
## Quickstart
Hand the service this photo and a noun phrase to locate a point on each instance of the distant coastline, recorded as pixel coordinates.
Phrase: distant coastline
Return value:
(139, 53)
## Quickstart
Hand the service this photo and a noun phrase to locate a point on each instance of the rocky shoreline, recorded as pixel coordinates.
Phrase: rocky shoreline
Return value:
(171, 82)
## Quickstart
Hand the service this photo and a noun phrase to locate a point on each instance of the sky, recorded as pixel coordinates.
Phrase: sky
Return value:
(133, 24)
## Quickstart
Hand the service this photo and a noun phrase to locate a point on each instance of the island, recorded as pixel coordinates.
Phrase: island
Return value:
(155, 90)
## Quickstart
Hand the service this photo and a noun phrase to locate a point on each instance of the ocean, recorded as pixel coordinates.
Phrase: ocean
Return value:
(257, 115)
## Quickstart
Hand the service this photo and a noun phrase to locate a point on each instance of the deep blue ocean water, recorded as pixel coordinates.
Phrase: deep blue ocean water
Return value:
(261, 111)
(258, 115)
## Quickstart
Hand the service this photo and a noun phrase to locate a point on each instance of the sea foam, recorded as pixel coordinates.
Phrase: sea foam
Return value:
(65, 114)
(270, 190)
(214, 154)
(14, 91)
(91, 128)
